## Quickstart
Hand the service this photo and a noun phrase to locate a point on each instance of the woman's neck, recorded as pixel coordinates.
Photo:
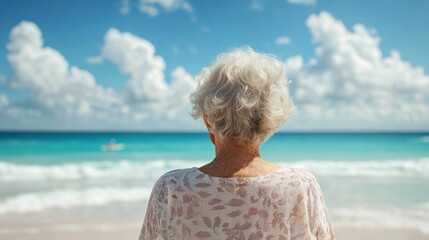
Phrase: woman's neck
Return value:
(238, 160)
(240, 153)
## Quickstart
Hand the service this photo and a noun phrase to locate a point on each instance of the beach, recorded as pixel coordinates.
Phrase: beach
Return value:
(131, 233)
(122, 221)
(65, 186)
(120, 228)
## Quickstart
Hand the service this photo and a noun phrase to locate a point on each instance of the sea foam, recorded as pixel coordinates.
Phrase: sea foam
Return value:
(151, 170)
(68, 198)
(413, 217)
(122, 169)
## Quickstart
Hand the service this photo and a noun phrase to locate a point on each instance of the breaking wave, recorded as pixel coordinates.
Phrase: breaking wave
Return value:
(68, 198)
(412, 217)
(151, 170)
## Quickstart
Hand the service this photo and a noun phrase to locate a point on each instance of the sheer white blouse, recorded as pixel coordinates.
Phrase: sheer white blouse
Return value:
(189, 204)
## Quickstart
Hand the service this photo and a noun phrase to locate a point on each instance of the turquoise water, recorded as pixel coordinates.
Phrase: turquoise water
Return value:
(55, 148)
(366, 177)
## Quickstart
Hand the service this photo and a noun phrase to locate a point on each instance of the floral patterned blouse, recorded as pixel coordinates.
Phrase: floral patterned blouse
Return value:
(189, 204)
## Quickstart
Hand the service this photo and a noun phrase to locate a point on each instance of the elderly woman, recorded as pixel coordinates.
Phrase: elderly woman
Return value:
(243, 99)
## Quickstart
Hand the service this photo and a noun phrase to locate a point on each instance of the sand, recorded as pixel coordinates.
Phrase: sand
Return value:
(132, 233)
(379, 234)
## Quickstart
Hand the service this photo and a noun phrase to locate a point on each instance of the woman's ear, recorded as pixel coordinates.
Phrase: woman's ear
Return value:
(211, 135)
(206, 122)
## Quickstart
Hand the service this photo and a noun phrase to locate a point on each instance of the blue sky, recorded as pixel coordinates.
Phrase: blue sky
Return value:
(188, 35)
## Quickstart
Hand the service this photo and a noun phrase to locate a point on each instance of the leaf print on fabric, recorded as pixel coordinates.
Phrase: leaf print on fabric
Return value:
(180, 211)
(218, 207)
(194, 209)
(207, 221)
(235, 202)
(217, 222)
(245, 226)
(274, 194)
(234, 213)
(202, 234)
(202, 185)
(256, 235)
(186, 231)
(263, 213)
(241, 192)
(282, 201)
(281, 237)
(200, 176)
(251, 212)
(253, 199)
(214, 201)
(186, 183)
(187, 198)
(204, 194)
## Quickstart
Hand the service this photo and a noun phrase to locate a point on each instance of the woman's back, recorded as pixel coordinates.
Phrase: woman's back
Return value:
(189, 204)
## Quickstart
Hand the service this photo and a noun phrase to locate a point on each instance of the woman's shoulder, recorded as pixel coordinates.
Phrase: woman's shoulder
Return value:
(296, 174)
(173, 176)
(300, 172)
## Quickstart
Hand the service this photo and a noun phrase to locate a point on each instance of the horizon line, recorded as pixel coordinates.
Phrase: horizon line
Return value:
(204, 132)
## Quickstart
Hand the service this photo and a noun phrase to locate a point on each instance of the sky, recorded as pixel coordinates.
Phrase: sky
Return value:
(131, 64)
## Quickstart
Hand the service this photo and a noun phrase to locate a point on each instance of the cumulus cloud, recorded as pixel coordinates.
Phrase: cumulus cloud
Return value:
(283, 40)
(54, 86)
(136, 57)
(193, 50)
(94, 60)
(147, 92)
(205, 29)
(58, 91)
(4, 101)
(302, 2)
(182, 84)
(349, 80)
(153, 7)
(256, 5)
(124, 7)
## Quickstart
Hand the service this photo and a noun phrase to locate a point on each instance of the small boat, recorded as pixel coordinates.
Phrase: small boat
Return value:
(112, 146)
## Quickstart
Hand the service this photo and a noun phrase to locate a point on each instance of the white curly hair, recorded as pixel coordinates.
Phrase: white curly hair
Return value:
(244, 96)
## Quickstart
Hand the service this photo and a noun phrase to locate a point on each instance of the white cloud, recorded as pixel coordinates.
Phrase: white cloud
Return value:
(153, 7)
(147, 93)
(175, 49)
(205, 29)
(64, 96)
(4, 101)
(149, 10)
(136, 57)
(350, 81)
(193, 50)
(182, 84)
(94, 60)
(302, 2)
(283, 40)
(53, 84)
(125, 7)
(256, 5)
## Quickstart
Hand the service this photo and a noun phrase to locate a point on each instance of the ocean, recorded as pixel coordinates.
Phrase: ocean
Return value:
(66, 182)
